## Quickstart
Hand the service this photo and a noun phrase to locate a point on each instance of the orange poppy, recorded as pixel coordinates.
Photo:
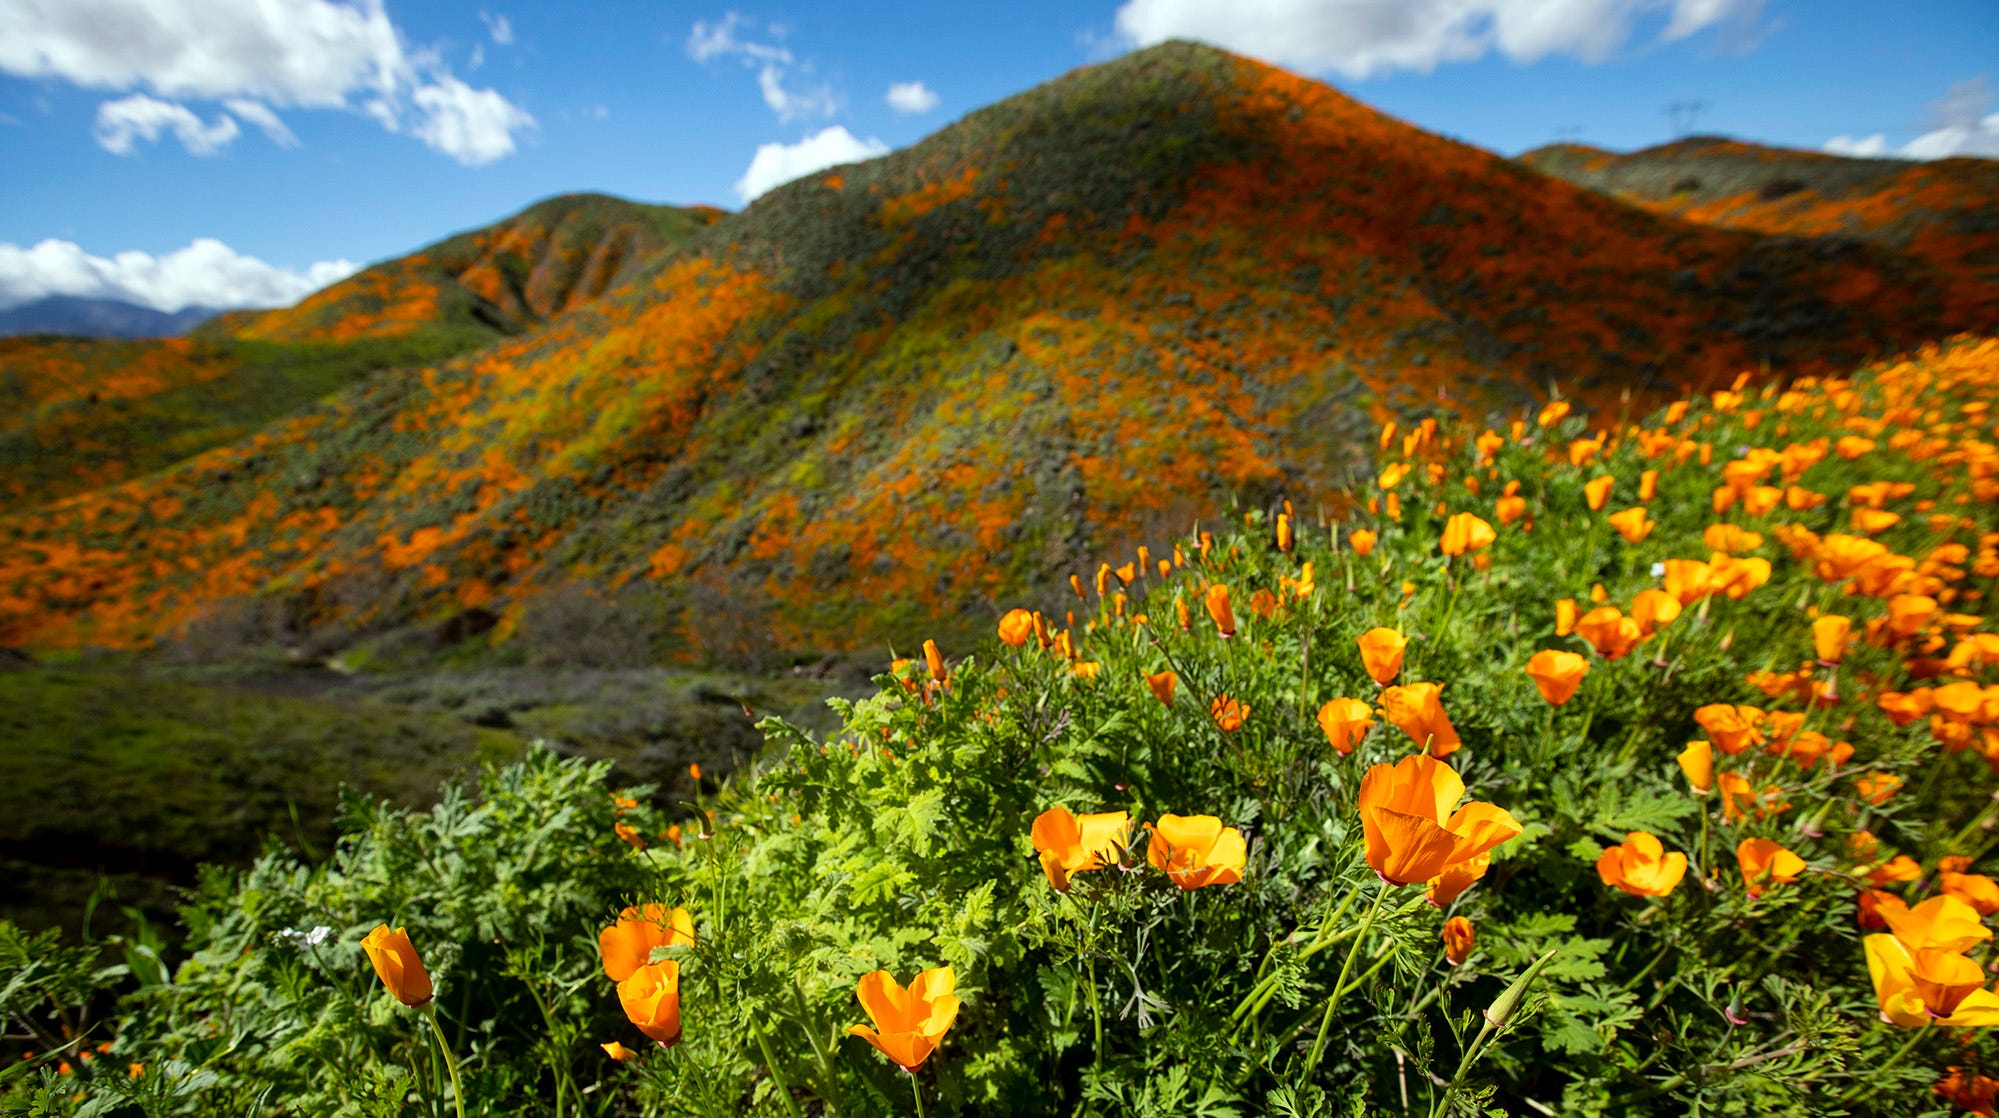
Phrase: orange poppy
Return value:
(1070, 845)
(1345, 722)
(1418, 711)
(1217, 600)
(1557, 674)
(1016, 627)
(1597, 492)
(1465, 533)
(1565, 617)
(628, 944)
(1633, 524)
(908, 1024)
(1363, 542)
(397, 965)
(1641, 866)
(1411, 831)
(1829, 635)
(1449, 885)
(1162, 684)
(1228, 713)
(1196, 850)
(1654, 610)
(650, 996)
(1697, 761)
(1381, 653)
(1612, 634)
(1458, 940)
(1766, 862)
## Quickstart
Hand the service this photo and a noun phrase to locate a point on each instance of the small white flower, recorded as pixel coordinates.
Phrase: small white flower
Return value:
(1658, 570)
(306, 939)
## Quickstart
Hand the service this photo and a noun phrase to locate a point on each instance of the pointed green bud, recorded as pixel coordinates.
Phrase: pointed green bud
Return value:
(1503, 1006)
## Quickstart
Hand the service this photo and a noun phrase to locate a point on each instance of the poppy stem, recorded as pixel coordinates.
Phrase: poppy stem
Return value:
(777, 1084)
(916, 1092)
(450, 1064)
(1346, 968)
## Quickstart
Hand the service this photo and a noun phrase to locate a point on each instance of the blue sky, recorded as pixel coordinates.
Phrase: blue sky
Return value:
(242, 152)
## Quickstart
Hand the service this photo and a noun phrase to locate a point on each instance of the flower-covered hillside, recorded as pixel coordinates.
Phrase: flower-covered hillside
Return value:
(1592, 765)
(1072, 320)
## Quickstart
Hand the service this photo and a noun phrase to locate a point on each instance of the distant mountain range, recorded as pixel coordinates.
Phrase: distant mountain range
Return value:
(889, 398)
(99, 318)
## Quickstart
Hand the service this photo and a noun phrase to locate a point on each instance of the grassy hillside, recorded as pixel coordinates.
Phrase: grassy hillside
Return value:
(1073, 318)
(77, 414)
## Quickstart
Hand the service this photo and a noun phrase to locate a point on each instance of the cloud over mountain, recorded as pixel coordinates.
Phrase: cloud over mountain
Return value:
(205, 273)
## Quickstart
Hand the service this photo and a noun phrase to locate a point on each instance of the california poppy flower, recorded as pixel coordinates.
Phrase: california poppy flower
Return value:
(1381, 653)
(1942, 923)
(1732, 728)
(1418, 710)
(1565, 617)
(907, 1023)
(1449, 885)
(628, 944)
(1556, 674)
(1345, 722)
(1912, 986)
(1458, 940)
(1829, 635)
(617, 1051)
(1974, 889)
(1071, 845)
(1633, 524)
(1641, 866)
(1612, 634)
(1283, 532)
(1654, 610)
(397, 965)
(934, 660)
(1766, 862)
(1648, 485)
(1016, 627)
(1217, 600)
(1363, 542)
(1161, 685)
(1552, 413)
(1697, 761)
(1875, 788)
(1412, 832)
(1196, 850)
(650, 996)
(1464, 533)
(1228, 713)
(1597, 492)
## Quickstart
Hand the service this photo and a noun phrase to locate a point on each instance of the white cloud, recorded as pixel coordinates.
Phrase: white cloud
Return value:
(473, 126)
(263, 119)
(313, 54)
(1362, 38)
(206, 273)
(500, 27)
(773, 63)
(911, 97)
(777, 164)
(124, 122)
(1959, 123)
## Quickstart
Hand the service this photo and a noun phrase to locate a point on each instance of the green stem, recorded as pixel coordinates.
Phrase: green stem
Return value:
(1339, 984)
(916, 1092)
(450, 1063)
(777, 1083)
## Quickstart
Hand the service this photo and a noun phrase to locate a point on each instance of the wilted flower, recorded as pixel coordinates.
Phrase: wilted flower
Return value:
(397, 965)
(1196, 850)
(1071, 845)
(1412, 834)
